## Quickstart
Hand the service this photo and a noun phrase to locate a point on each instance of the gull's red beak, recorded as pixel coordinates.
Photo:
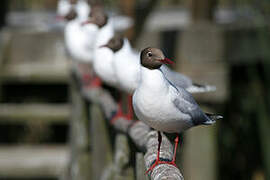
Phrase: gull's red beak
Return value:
(60, 18)
(87, 22)
(166, 61)
(105, 45)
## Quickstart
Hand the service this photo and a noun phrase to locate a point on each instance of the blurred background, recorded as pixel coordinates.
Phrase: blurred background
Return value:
(224, 43)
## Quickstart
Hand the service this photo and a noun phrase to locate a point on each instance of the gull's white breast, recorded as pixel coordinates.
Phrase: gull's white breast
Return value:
(153, 103)
(103, 65)
(105, 34)
(127, 67)
(79, 42)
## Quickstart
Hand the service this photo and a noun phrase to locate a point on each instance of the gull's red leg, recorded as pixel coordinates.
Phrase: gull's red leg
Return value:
(95, 82)
(157, 162)
(157, 158)
(176, 141)
(130, 108)
(85, 75)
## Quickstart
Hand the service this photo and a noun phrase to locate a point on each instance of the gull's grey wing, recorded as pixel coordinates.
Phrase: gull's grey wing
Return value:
(176, 78)
(185, 82)
(186, 104)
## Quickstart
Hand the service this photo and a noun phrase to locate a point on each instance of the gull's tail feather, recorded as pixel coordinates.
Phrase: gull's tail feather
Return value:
(197, 88)
(212, 118)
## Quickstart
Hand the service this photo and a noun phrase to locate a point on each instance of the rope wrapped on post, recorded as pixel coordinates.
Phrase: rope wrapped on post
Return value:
(141, 134)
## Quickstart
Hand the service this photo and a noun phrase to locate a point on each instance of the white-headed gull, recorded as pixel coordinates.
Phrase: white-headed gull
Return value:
(162, 105)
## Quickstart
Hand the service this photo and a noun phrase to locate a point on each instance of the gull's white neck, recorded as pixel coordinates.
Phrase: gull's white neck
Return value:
(124, 51)
(105, 34)
(153, 80)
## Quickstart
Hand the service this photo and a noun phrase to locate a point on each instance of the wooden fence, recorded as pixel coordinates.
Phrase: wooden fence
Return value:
(119, 151)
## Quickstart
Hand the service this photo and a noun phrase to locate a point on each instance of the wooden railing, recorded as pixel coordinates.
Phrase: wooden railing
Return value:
(120, 151)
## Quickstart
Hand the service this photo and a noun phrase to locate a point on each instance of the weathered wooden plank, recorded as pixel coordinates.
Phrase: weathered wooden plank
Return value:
(16, 113)
(28, 60)
(35, 73)
(33, 161)
(4, 45)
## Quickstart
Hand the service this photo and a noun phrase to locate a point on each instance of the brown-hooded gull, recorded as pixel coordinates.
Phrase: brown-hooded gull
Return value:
(80, 6)
(162, 105)
(103, 57)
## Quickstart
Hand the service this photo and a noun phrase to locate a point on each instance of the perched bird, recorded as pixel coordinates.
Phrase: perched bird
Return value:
(125, 65)
(99, 18)
(80, 41)
(162, 105)
(108, 61)
(81, 7)
(102, 56)
(63, 8)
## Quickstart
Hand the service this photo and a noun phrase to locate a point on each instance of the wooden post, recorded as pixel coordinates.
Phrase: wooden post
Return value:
(100, 143)
(118, 168)
(140, 167)
(263, 115)
(79, 136)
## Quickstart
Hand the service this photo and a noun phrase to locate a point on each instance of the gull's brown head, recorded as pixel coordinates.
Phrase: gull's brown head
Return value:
(71, 15)
(73, 2)
(153, 58)
(115, 43)
(97, 16)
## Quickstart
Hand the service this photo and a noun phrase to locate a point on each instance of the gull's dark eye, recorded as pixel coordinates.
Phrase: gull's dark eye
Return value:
(149, 54)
